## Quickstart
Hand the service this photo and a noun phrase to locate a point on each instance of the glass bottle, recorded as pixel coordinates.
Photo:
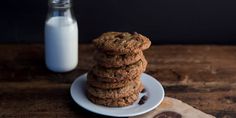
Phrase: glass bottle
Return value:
(61, 37)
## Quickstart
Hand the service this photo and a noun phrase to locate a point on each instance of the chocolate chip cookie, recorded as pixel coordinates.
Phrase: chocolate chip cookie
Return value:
(122, 42)
(93, 81)
(121, 73)
(134, 87)
(110, 102)
(109, 60)
(108, 80)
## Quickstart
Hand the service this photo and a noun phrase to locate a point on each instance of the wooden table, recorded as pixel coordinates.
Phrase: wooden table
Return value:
(202, 76)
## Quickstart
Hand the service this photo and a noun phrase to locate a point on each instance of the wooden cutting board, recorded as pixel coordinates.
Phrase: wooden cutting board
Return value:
(174, 108)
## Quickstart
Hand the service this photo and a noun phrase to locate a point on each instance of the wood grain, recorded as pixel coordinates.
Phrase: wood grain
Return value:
(202, 76)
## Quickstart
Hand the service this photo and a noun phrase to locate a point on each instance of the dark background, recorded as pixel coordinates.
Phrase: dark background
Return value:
(163, 21)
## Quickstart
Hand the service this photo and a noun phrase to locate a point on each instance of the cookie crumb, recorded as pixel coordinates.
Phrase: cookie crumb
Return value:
(143, 91)
(143, 100)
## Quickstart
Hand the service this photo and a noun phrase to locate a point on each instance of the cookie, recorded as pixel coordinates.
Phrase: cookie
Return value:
(122, 42)
(109, 60)
(134, 87)
(120, 102)
(109, 80)
(121, 73)
(93, 81)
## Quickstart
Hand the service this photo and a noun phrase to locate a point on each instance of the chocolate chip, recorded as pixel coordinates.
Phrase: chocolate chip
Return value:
(120, 36)
(168, 114)
(123, 56)
(143, 91)
(109, 56)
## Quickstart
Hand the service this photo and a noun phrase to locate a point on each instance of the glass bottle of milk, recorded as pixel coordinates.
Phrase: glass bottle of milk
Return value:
(61, 37)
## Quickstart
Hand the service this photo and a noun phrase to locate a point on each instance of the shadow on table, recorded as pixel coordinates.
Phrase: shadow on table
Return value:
(81, 112)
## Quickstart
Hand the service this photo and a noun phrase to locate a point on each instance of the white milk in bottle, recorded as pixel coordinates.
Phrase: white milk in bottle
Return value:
(61, 37)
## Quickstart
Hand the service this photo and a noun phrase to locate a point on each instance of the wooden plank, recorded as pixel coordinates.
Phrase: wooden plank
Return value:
(202, 76)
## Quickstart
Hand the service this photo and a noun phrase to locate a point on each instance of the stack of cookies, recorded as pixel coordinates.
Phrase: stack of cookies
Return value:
(114, 80)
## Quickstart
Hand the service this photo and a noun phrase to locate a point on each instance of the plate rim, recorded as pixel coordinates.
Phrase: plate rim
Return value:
(120, 115)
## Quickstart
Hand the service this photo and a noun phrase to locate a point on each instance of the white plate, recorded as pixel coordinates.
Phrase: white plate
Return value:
(154, 91)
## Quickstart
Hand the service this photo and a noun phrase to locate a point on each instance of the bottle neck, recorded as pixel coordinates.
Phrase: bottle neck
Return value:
(60, 12)
(60, 8)
(60, 3)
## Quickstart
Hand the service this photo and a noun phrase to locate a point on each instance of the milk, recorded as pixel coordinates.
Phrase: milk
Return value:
(61, 44)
